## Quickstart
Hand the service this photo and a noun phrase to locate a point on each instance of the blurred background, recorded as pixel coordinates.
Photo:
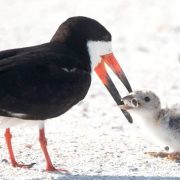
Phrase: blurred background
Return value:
(146, 34)
(146, 42)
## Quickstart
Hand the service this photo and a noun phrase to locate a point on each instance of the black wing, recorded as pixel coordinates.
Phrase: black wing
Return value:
(174, 122)
(13, 52)
(41, 82)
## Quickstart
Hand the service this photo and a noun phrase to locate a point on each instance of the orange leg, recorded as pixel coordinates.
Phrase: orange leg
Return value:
(8, 138)
(43, 143)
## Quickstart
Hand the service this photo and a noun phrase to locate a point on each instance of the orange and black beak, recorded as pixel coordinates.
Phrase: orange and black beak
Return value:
(111, 61)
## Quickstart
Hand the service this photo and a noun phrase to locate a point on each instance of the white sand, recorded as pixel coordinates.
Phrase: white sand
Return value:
(94, 140)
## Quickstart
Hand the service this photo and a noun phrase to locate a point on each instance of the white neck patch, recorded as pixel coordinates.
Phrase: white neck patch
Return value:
(96, 49)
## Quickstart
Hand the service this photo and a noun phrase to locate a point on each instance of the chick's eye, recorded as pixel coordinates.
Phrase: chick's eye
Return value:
(147, 99)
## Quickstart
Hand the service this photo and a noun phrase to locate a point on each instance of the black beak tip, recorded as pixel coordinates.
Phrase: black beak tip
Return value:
(128, 87)
(127, 115)
(125, 81)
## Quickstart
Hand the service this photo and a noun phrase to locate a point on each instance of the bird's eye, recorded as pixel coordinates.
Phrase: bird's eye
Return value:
(147, 99)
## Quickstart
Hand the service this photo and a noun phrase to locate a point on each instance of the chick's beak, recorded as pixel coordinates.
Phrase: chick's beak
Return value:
(129, 102)
(111, 61)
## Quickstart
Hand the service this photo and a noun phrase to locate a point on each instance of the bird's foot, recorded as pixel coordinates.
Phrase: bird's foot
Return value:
(53, 169)
(15, 164)
(170, 156)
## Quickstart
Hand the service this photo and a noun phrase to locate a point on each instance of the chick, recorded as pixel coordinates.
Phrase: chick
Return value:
(161, 125)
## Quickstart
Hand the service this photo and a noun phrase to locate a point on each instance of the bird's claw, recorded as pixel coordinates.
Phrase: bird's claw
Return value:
(60, 170)
(15, 164)
(23, 165)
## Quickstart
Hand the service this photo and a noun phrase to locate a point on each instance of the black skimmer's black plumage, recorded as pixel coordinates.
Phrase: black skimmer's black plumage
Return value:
(44, 81)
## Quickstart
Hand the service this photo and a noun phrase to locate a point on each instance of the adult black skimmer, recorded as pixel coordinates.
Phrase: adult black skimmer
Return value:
(44, 81)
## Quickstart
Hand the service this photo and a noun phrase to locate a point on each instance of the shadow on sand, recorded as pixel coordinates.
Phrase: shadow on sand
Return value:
(81, 177)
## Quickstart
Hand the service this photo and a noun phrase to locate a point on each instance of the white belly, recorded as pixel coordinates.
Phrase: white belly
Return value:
(161, 134)
(8, 122)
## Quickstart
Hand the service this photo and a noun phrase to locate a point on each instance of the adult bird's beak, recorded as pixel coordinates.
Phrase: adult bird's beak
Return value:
(111, 61)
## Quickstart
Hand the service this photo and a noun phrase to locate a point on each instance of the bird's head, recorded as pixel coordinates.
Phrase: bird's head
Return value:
(143, 103)
(91, 41)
